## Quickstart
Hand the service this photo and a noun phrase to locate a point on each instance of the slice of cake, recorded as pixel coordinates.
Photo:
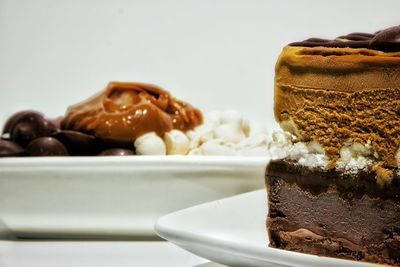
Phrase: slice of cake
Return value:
(334, 181)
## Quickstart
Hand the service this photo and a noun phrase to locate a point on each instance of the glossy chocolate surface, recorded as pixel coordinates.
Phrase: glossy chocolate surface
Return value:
(29, 126)
(46, 146)
(10, 149)
(15, 117)
(43, 137)
(77, 143)
(387, 40)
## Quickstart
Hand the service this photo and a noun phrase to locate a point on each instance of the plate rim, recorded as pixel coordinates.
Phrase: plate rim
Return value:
(300, 259)
(166, 159)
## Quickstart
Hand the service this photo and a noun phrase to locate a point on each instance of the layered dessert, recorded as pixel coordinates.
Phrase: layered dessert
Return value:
(334, 181)
(128, 119)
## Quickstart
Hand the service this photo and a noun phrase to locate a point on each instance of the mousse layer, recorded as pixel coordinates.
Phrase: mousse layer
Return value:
(321, 212)
(340, 95)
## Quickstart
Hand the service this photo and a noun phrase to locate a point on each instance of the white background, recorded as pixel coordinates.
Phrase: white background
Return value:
(215, 54)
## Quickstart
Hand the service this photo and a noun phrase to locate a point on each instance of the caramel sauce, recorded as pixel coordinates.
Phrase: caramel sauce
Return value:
(125, 111)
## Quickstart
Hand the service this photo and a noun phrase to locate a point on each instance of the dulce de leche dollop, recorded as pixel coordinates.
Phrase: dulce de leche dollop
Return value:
(125, 111)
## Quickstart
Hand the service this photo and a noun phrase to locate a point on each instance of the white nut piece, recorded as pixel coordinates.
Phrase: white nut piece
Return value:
(177, 142)
(229, 133)
(150, 144)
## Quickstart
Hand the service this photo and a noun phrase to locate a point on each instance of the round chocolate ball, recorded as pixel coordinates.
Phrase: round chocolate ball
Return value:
(77, 143)
(30, 126)
(15, 117)
(46, 146)
(10, 149)
(117, 152)
(57, 121)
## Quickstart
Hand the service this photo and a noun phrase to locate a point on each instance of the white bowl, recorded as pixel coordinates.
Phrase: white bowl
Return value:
(114, 197)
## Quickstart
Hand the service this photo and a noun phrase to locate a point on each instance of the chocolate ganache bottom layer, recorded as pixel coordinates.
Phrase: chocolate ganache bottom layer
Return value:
(330, 213)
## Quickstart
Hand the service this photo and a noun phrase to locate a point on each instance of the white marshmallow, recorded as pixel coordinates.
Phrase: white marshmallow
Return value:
(297, 151)
(200, 134)
(282, 138)
(230, 133)
(150, 144)
(246, 126)
(280, 145)
(231, 117)
(315, 147)
(255, 151)
(259, 139)
(314, 160)
(290, 126)
(355, 156)
(177, 142)
(190, 134)
(226, 133)
(213, 118)
(213, 148)
(256, 128)
(195, 152)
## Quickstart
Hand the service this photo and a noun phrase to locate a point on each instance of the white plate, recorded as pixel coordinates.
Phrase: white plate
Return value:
(232, 231)
(97, 254)
(100, 197)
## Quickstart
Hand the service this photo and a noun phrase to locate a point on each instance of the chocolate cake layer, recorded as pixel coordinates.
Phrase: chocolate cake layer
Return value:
(325, 212)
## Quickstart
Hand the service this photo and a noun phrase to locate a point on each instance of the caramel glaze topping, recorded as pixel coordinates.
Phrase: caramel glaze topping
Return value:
(125, 111)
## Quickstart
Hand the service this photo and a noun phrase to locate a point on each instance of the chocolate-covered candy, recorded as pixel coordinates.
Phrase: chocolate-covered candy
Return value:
(77, 143)
(109, 143)
(57, 121)
(15, 117)
(46, 146)
(10, 149)
(30, 126)
(117, 152)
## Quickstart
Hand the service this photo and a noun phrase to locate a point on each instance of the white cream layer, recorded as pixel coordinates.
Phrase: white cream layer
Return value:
(353, 156)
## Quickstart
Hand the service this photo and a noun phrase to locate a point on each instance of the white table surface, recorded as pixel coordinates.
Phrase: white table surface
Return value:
(96, 253)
